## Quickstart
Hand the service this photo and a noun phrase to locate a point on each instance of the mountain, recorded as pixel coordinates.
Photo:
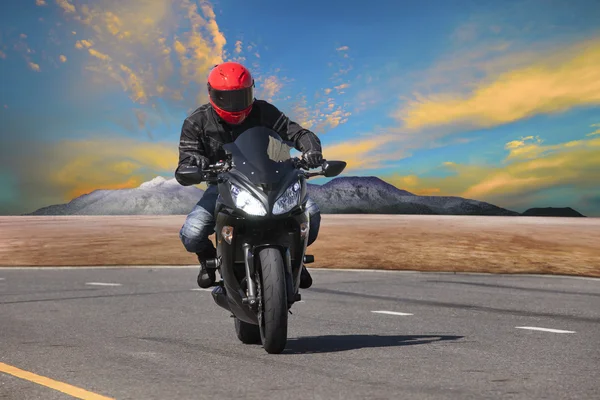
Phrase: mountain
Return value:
(156, 197)
(371, 195)
(552, 212)
(346, 195)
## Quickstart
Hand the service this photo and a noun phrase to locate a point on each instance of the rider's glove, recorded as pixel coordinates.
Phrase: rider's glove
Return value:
(202, 162)
(313, 158)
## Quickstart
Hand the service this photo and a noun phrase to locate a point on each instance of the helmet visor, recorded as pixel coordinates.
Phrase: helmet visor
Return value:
(232, 100)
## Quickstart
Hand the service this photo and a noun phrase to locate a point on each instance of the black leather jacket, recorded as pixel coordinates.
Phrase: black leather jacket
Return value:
(204, 133)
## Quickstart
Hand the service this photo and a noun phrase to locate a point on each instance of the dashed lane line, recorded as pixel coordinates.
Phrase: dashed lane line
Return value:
(102, 284)
(535, 328)
(391, 313)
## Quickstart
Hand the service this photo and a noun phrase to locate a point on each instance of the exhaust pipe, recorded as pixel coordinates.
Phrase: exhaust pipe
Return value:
(220, 297)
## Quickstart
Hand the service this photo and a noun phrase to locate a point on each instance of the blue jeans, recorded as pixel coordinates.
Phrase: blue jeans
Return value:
(200, 223)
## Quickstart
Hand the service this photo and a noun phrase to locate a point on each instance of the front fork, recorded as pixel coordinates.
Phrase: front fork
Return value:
(250, 270)
(250, 273)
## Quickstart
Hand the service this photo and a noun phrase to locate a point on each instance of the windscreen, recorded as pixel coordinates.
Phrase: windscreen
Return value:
(261, 155)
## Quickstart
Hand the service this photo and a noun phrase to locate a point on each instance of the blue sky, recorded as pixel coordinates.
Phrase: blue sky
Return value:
(497, 101)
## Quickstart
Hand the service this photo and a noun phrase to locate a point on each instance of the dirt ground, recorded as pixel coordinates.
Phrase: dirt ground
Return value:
(568, 246)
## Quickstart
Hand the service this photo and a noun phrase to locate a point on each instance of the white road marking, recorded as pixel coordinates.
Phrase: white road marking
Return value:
(201, 290)
(2, 279)
(535, 328)
(102, 284)
(391, 313)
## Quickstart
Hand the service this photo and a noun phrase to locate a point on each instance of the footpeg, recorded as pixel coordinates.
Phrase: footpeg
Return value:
(213, 263)
(309, 259)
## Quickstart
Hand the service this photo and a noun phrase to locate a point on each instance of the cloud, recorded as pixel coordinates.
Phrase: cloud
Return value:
(327, 91)
(360, 154)
(596, 132)
(99, 55)
(66, 6)
(35, 67)
(321, 116)
(342, 86)
(80, 44)
(156, 50)
(343, 48)
(2, 55)
(51, 173)
(63, 58)
(40, 2)
(571, 165)
(554, 83)
(270, 86)
(83, 166)
(238, 47)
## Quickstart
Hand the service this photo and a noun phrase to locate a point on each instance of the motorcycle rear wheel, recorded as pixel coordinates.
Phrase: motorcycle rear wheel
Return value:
(273, 310)
(247, 333)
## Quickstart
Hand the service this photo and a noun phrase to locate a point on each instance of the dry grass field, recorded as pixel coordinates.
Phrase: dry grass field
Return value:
(568, 246)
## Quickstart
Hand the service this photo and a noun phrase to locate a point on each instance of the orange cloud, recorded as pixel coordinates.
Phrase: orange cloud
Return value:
(99, 55)
(132, 44)
(80, 44)
(570, 164)
(40, 2)
(35, 67)
(63, 58)
(359, 154)
(565, 79)
(596, 132)
(65, 5)
(79, 167)
(2, 55)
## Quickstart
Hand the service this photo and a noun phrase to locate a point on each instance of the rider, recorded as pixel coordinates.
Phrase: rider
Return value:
(231, 110)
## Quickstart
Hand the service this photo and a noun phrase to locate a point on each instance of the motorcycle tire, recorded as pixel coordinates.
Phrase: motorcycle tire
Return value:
(247, 333)
(273, 312)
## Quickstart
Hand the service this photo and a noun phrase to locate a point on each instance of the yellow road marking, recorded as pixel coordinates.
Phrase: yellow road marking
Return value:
(52, 384)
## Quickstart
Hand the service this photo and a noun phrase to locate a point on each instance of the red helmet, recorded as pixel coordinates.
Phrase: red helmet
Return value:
(231, 91)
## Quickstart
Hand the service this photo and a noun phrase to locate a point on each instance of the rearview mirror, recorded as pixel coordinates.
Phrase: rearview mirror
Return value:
(333, 168)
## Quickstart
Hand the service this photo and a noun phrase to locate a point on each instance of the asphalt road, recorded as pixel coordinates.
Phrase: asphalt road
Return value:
(153, 337)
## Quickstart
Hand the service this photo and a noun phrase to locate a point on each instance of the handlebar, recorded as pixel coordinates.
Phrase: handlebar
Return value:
(212, 171)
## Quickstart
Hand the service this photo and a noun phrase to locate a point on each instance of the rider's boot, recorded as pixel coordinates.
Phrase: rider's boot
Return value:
(206, 276)
(305, 278)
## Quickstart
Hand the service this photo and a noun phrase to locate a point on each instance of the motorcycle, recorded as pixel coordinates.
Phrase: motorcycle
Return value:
(261, 229)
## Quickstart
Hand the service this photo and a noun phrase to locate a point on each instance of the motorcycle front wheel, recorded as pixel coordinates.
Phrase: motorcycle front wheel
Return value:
(272, 297)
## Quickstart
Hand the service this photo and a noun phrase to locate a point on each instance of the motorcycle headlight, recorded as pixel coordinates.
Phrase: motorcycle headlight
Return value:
(288, 200)
(246, 202)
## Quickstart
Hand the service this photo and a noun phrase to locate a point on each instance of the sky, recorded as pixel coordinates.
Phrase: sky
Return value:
(488, 100)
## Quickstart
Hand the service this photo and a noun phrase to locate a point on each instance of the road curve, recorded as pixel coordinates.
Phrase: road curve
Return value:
(144, 333)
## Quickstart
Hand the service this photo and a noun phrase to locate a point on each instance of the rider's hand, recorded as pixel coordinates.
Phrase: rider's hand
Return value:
(202, 162)
(313, 158)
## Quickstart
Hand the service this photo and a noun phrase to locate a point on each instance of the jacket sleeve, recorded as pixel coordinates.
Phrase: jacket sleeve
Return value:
(190, 149)
(303, 139)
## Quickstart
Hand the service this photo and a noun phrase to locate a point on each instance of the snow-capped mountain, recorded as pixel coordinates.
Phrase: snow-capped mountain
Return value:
(356, 195)
(156, 197)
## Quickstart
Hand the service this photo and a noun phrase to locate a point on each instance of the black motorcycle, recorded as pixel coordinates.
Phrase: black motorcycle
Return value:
(262, 228)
